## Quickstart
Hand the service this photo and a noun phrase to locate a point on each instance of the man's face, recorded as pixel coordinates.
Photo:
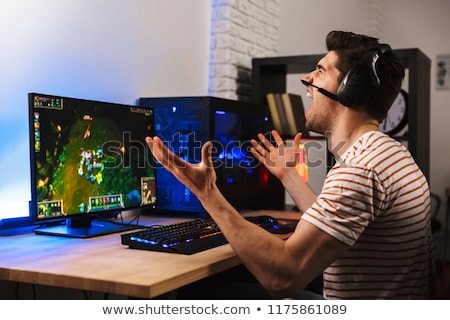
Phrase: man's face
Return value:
(321, 113)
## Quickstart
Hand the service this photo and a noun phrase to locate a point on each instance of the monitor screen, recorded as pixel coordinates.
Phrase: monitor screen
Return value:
(89, 162)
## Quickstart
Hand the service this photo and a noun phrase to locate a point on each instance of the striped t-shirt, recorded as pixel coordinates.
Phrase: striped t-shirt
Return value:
(376, 200)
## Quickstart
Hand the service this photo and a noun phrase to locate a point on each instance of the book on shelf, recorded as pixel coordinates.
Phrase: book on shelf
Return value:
(290, 118)
(278, 113)
(282, 114)
(293, 105)
(273, 109)
(287, 113)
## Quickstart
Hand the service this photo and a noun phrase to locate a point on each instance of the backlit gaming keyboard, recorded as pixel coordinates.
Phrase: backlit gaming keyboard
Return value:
(195, 235)
(185, 237)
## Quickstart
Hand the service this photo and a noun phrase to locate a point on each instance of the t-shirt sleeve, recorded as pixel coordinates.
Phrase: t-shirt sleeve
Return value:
(349, 201)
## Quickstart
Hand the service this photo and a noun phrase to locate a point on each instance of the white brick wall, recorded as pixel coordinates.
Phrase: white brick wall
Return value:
(240, 30)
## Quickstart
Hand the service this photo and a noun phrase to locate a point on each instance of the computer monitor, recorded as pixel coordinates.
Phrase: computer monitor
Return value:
(186, 123)
(89, 162)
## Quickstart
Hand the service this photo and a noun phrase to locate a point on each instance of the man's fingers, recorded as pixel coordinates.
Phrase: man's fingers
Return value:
(164, 156)
(207, 154)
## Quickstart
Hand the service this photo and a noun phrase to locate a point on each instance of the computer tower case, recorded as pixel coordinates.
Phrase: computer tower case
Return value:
(186, 123)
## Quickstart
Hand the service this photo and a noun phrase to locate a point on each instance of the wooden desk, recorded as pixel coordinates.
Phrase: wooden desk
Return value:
(103, 264)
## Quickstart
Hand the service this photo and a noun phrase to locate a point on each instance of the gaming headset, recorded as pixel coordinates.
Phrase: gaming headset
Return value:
(362, 81)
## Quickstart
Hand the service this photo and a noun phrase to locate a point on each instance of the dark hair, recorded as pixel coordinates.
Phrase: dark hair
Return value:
(350, 47)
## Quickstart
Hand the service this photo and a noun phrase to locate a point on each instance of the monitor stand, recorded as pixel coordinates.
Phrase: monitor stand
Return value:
(85, 228)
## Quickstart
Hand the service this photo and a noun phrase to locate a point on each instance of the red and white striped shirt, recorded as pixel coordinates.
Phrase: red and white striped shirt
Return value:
(377, 201)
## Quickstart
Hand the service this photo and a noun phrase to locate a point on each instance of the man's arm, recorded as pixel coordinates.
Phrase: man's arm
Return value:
(282, 267)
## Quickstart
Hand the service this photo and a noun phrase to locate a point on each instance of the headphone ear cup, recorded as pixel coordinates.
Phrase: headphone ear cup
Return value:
(362, 81)
(359, 84)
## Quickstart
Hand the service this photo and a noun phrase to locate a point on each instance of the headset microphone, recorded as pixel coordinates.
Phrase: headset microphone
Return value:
(321, 90)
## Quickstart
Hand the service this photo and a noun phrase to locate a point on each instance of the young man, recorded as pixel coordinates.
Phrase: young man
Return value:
(368, 231)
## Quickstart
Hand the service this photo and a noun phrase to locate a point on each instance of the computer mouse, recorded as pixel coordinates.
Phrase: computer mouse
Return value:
(264, 221)
(273, 225)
